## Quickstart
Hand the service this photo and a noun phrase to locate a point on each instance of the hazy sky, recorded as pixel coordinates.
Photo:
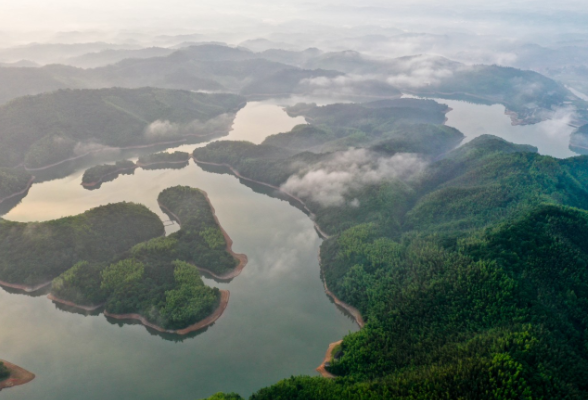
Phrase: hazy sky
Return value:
(120, 14)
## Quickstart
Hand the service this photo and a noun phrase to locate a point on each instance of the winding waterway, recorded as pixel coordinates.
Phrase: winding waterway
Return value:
(278, 323)
(279, 320)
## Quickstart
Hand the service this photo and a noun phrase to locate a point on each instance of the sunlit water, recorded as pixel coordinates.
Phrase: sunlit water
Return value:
(279, 321)
(551, 137)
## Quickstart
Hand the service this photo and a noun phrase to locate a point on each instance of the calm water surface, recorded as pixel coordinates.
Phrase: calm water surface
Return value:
(551, 137)
(279, 321)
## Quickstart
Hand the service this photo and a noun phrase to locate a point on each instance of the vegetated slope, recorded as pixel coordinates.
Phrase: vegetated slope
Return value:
(177, 159)
(36, 252)
(390, 125)
(531, 95)
(203, 67)
(473, 287)
(158, 279)
(93, 177)
(12, 181)
(50, 128)
(4, 372)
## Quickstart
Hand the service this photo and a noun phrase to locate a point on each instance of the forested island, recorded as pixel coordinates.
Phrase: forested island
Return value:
(177, 160)
(12, 375)
(470, 273)
(32, 254)
(158, 281)
(93, 177)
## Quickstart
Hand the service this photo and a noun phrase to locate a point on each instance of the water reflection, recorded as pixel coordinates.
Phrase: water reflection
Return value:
(278, 323)
(551, 137)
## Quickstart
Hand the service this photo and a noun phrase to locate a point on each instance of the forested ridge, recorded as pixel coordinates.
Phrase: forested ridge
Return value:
(471, 275)
(36, 252)
(13, 181)
(48, 128)
(4, 372)
(158, 279)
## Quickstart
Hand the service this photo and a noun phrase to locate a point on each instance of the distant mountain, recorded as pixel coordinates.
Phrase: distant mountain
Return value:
(110, 56)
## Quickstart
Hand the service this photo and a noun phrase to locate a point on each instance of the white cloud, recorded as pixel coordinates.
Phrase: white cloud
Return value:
(329, 182)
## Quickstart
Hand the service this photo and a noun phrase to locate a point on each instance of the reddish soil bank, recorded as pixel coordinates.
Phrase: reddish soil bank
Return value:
(350, 309)
(224, 302)
(29, 184)
(25, 288)
(299, 200)
(18, 376)
(69, 303)
(242, 258)
(321, 368)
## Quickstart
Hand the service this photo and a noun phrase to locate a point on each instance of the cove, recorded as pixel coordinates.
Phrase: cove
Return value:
(278, 323)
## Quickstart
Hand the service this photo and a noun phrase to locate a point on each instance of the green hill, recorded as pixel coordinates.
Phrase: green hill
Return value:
(36, 252)
(471, 275)
(49, 128)
(158, 279)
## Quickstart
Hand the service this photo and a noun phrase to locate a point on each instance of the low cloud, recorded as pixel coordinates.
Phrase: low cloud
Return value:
(91, 147)
(329, 182)
(163, 129)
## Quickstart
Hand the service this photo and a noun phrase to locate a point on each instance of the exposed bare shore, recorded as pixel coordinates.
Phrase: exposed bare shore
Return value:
(242, 258)
(212, 318)
(328, 357)
(69, 303)
(350, 309)
(299, 200)
(25, 288)
(18, 376)
(29, 184)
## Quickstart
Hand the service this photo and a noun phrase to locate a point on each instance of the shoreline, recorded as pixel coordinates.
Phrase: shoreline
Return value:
(321, 369)
(120, 170)
(143, 146)
(71, 304)
(242, 258)
(211, 319)
(25, 288)
(18, 376)
(238, 175)
(101, 179)
(26, 189)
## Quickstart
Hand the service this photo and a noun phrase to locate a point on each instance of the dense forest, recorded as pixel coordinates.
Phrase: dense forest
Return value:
(13, 181)
(471, 274)
(177, 159)
(98, 174)
(49, 128)
(36, 252)
(4, 372)
(158, 279)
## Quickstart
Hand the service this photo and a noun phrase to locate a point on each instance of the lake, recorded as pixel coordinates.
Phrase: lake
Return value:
(279, 321)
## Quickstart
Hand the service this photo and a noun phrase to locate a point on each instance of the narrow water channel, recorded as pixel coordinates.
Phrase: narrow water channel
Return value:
(279, 321)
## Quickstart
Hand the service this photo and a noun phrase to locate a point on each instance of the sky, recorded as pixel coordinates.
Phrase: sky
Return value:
(67, 15)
